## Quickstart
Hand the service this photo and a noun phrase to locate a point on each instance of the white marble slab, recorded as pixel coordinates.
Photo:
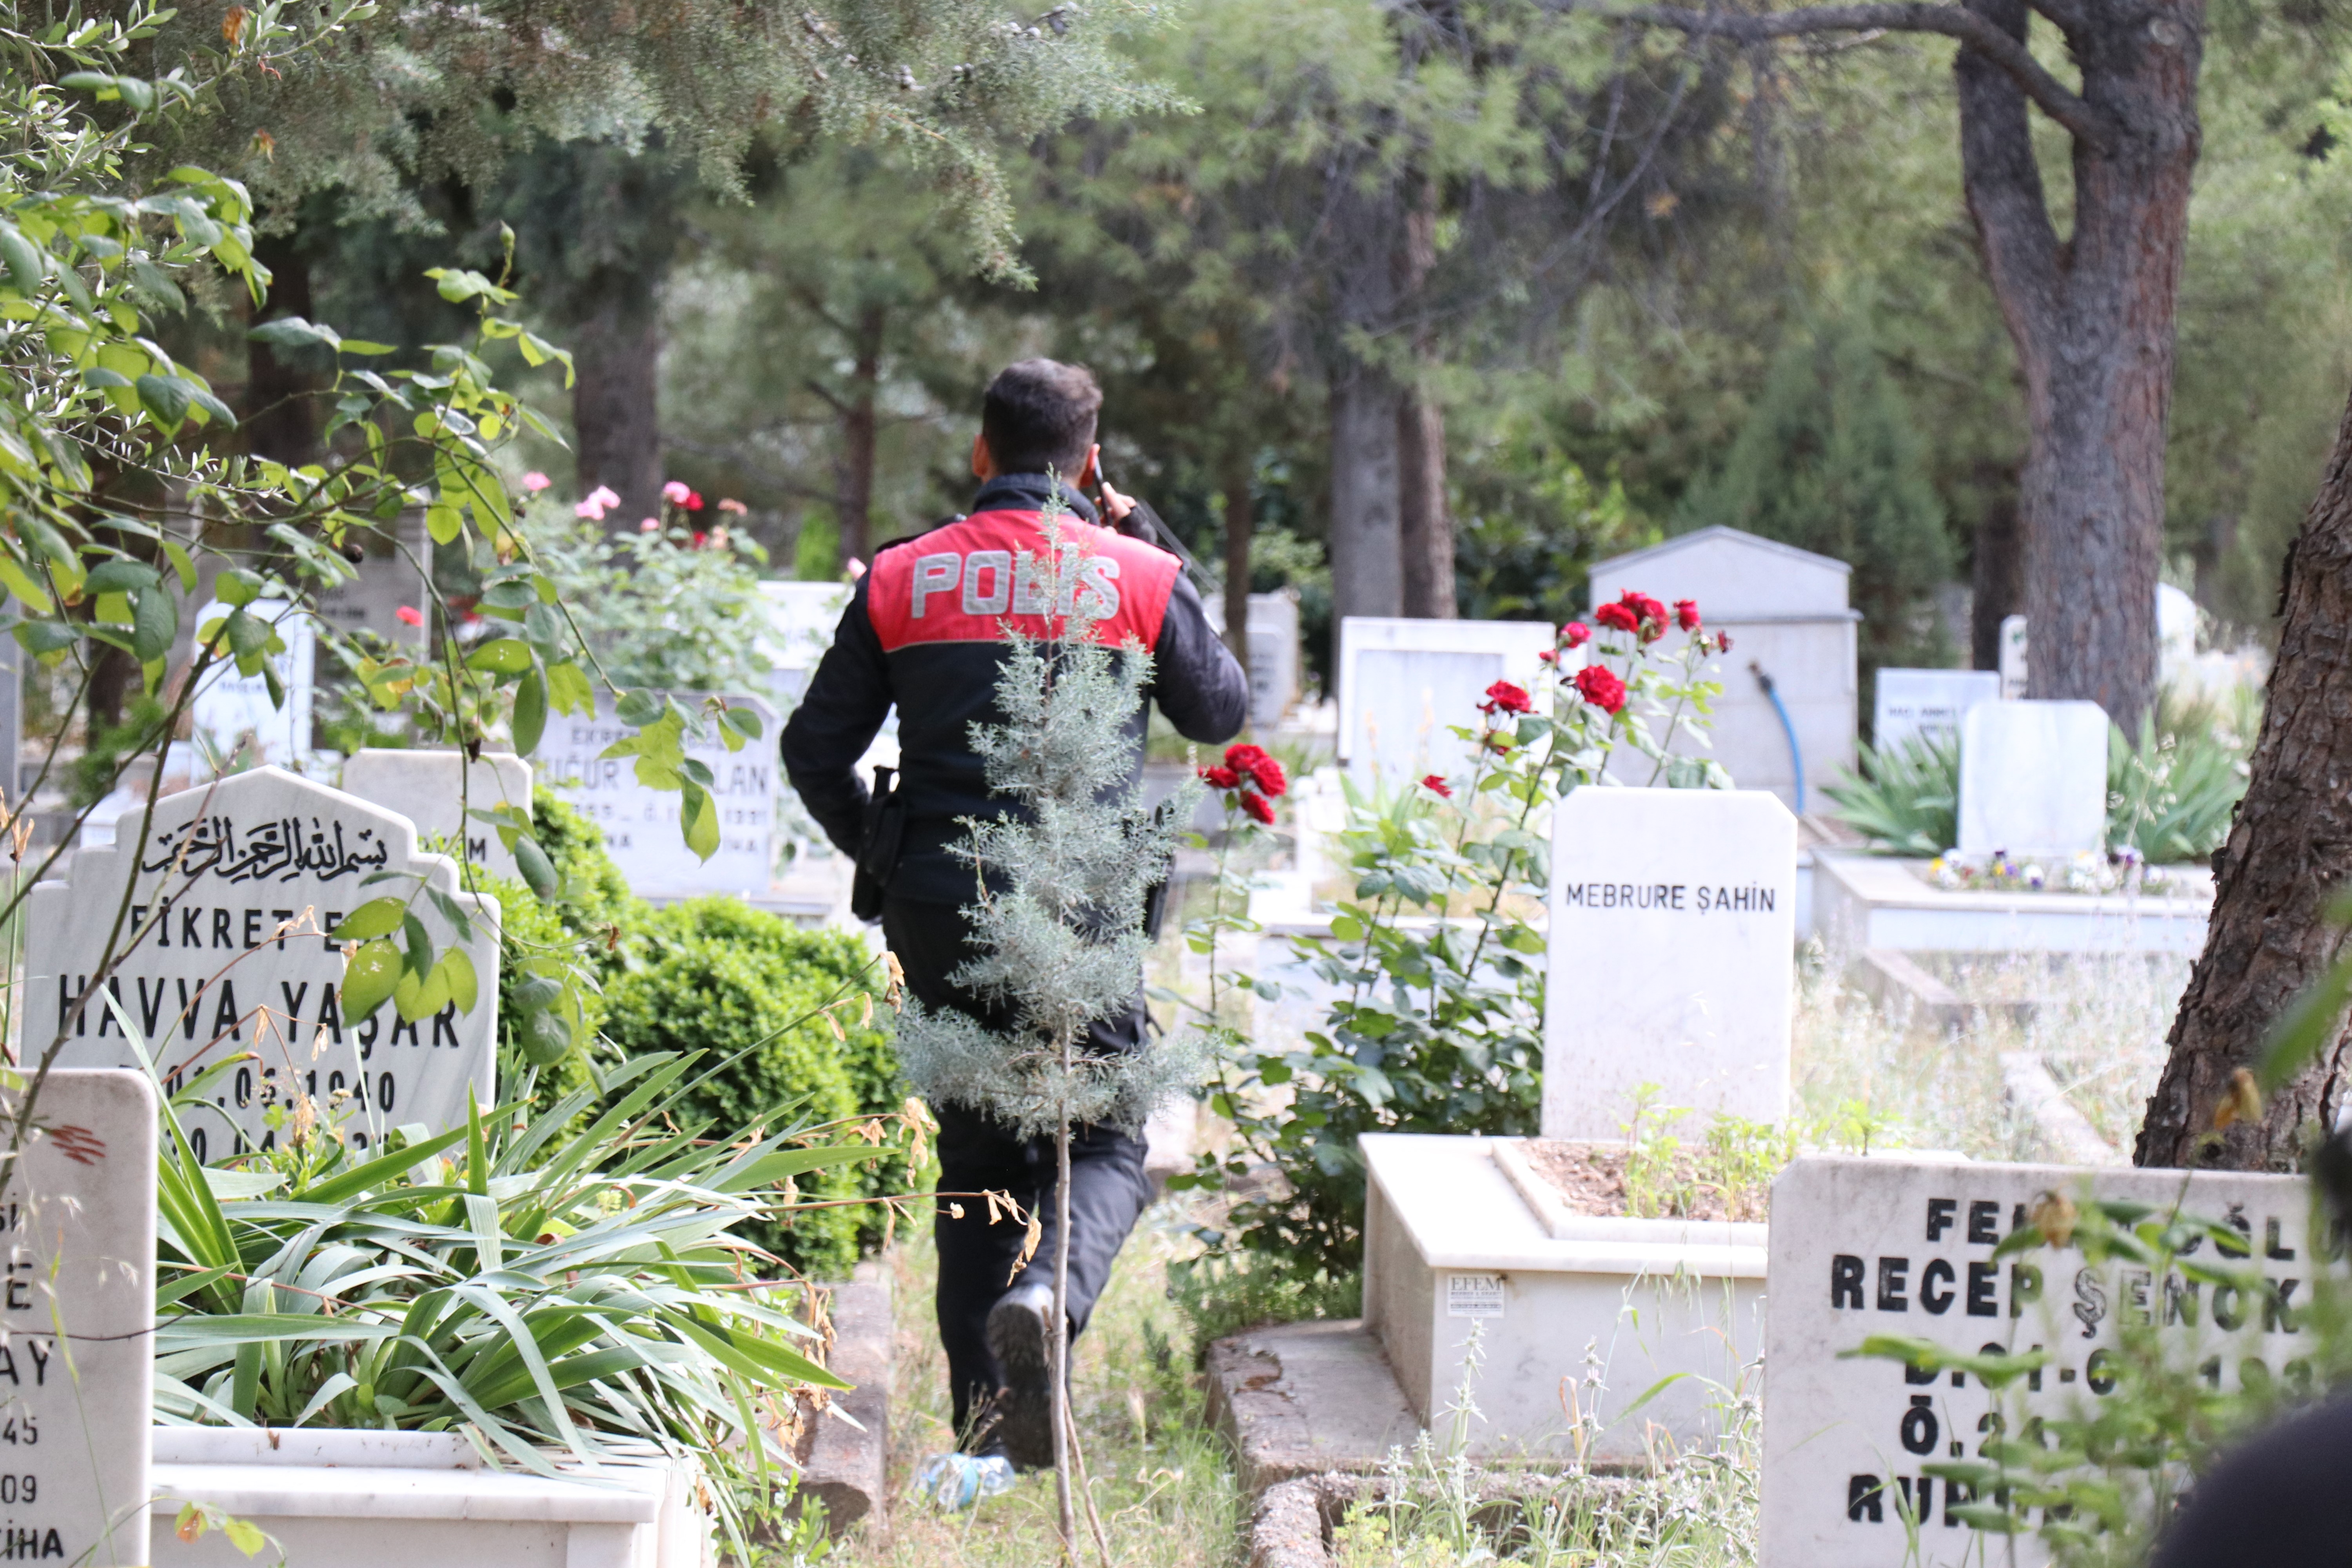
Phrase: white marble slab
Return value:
(1928, 702)
(641, 823)
(1672, 935)
(228, 707)
(2034, 778)
(1404, 684)
(77, 1311)
(1888, 1246)
(435, 789)
(238, 882)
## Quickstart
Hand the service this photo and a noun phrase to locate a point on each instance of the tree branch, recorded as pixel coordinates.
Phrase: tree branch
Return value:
(2086, 121)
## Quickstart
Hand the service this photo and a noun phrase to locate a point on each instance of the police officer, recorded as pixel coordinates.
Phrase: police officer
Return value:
(925, 630)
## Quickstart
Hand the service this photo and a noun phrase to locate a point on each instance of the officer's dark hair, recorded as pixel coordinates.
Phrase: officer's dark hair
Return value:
(1040, 414)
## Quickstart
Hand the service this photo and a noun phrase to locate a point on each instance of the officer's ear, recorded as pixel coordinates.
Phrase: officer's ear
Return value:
(983, 462)
(1090, 472)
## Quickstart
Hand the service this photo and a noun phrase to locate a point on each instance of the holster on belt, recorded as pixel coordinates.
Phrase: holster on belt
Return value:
(877, 856)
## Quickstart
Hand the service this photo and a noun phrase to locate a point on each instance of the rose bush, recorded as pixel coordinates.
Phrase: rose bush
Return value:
(1436, 958)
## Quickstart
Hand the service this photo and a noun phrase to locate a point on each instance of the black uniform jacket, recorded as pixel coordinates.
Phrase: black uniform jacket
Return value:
(926, 629)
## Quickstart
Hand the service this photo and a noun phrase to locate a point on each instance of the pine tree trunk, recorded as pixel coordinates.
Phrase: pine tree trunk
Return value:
(615, 402)
(1424, 527)
(281, 416)
(1997, 581)
(1241, 525)
(2093, 321)
(1057, 1335)
(854, 485)
(1365, 576)
(2289, 852)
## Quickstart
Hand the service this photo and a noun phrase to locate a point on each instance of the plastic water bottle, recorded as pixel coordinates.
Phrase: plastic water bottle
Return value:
(956, 1481)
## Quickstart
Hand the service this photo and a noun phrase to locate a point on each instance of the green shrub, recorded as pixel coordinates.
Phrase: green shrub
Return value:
(748, 989)
(744, 988)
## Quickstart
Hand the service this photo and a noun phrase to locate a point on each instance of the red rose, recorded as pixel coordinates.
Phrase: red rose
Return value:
(1505, 698)
(1598, 685)
(1266, 774)
(1221, 778)
(1243, 757)
(1576, 633)
(1643, 608)
(1723, 642)
(1686, 613)
(1618, 618)
(1435, 785)
(1257, 805)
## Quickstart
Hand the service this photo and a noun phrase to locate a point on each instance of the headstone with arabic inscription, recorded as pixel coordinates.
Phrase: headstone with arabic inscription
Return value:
(76, 1313)
(219, 950)
(435, 790)
(641, 823)
(1885, 1246)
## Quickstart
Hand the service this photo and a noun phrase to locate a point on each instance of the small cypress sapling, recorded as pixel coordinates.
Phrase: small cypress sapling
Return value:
(1058, 917)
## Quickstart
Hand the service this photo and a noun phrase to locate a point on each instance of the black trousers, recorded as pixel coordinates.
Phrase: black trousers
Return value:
(980, 1261)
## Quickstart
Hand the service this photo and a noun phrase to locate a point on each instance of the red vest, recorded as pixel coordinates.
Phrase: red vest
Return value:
(970, 580)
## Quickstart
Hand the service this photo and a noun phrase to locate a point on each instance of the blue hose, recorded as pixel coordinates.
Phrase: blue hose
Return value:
(1795, 754)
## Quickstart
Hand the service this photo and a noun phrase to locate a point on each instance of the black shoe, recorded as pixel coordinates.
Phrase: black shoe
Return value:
(1024, 1408)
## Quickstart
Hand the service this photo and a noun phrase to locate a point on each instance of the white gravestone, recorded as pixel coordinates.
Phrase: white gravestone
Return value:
(1886, 1246)
(1927, 703)
(1404, 684)
(76, 1316)
(229, 707)
(237, 882)
(802, 617)
(641, 823)
(2012, 657)
(1673, 934)
(388, 582)
(423, 786)
(2033, 778)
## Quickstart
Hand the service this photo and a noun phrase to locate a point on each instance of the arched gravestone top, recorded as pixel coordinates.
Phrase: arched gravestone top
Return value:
(238, 881)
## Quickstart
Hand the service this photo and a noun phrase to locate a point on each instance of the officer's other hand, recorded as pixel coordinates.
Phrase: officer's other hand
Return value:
(1116, 506)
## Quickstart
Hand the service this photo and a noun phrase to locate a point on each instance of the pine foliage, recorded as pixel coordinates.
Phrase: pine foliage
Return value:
(415, 91)
(1059, 916)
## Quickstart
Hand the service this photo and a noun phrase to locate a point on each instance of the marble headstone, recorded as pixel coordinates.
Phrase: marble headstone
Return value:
(423, 786)
(1273, 642)
(1672, 936)
(2012, 657)
(641, 823)
(77, 1316)
(386, 581)
(2033, 778)
(1405, 684)
(1927, 702)
(229, 707)
(801, 621)
(237, 882)
(1888, 1246)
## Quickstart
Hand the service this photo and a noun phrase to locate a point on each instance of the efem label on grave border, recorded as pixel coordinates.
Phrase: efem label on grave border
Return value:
(1859, 1451)
(224, 953)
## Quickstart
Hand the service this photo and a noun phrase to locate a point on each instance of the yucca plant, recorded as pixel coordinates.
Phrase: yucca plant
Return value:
(1905, 798)
(564, 1287)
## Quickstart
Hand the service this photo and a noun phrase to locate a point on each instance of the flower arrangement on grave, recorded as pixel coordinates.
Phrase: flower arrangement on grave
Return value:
(2119, 871)
(1436, 957)
(1059, 927)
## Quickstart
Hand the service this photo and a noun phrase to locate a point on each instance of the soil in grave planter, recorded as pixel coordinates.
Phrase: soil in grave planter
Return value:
(1591, 1179)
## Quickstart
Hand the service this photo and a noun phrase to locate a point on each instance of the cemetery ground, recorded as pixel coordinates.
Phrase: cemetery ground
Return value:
(1867, 1075)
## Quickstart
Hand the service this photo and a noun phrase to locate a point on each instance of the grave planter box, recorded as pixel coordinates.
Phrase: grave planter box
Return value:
(1862, 902)
(419, 1499)
(1452, 1240)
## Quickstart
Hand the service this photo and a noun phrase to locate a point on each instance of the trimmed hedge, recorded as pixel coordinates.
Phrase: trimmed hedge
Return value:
(719, 976)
